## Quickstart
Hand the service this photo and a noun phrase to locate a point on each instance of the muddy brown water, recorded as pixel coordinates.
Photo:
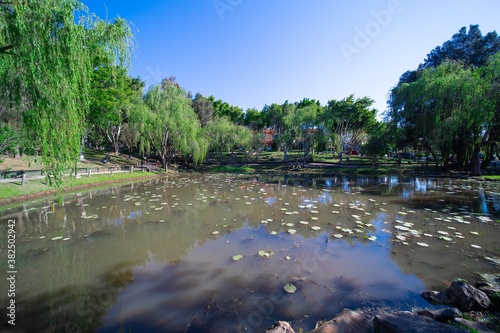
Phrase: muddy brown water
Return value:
(157, 256)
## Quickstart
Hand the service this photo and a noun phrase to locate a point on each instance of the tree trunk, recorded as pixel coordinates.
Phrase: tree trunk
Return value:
(489, 156)
(285, 155)
(476, 163)
(164, 162)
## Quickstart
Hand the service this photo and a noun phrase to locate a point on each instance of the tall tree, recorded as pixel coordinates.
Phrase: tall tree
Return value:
(446, 110)
(204, 108)
(224, 109)
(47, 59)
(287, 128)
(348, 121)
(253, 119)
(306, 123)
(470, 48)
(171, 125)
(224, 135)
(114, 96)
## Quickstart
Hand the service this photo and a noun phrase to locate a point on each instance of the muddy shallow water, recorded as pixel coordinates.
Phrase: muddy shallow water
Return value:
(213, 252)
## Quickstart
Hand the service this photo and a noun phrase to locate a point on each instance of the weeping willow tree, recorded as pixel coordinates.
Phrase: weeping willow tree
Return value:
(171, 125)
(46, 62)
(224, 136)
(445, 110)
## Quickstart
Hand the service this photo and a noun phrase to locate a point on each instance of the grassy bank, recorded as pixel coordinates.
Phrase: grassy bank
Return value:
(15, 192)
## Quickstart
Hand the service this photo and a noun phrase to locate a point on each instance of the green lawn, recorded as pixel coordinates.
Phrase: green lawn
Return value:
(493, 177)
(8, 190)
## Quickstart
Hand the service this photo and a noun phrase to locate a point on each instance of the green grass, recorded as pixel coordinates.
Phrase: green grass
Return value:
(232, 169)
(491, 177)
(14, 189)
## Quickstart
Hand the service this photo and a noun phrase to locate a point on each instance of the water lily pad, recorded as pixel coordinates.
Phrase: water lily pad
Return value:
(349, 231)
(402, 228)
(265, 254)
(290, 288)
(237, 257)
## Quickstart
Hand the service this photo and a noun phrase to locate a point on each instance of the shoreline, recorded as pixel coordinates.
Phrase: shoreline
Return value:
(318, 168)
(52, 192)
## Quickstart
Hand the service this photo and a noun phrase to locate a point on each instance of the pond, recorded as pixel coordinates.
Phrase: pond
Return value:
(215, 252)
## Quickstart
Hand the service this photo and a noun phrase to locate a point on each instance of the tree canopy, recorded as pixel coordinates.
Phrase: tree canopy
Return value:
(46, 64)
(171, 125)
(448, 106)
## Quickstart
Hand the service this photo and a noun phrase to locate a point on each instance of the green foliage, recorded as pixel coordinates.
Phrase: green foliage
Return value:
(233, 169)
(223, 135)
(204, 109)
(253, 119)
(445, 110)
(379, 142)
(114, 98)
(48, 68)
(449, 106)
(303, 121)
(8, 137)
(224, 109)
(348, 121)
(171, 125)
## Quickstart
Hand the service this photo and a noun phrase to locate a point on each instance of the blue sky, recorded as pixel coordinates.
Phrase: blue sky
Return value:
(255, 52)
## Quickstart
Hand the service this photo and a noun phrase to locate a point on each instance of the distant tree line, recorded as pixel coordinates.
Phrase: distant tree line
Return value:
(64, 85)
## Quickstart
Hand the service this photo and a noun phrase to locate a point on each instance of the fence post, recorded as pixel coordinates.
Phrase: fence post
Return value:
(89, 171)
(23, 180)
(132, 169)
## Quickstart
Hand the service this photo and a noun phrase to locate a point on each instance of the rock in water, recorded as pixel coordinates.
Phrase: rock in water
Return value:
(466, 297)
(442, 315)
(348, 321)
(408, 322)
(281, 327)
(460, 295)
